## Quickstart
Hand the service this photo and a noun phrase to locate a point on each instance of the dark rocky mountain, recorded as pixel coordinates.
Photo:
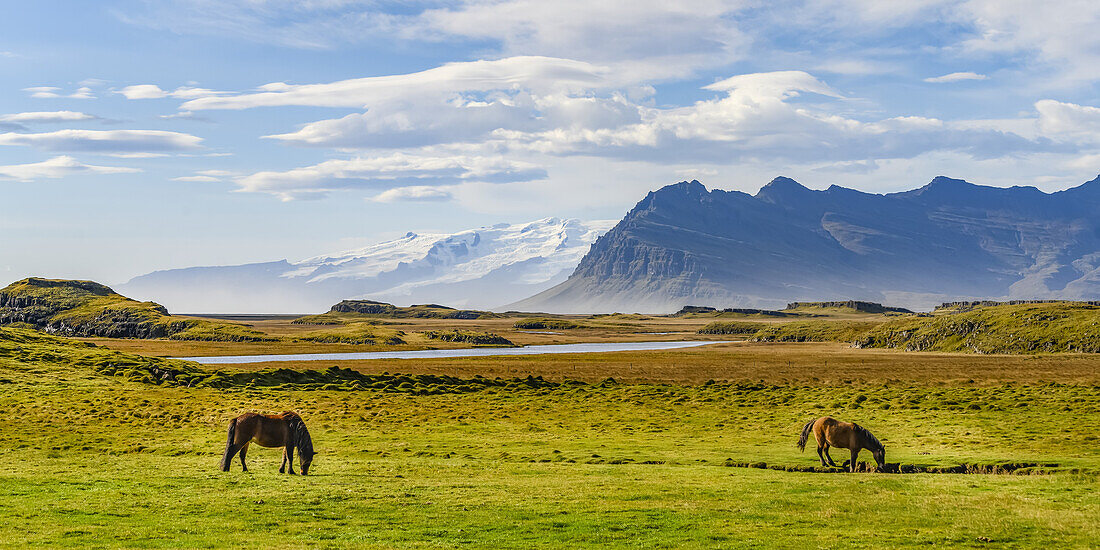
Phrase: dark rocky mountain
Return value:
(949, 240)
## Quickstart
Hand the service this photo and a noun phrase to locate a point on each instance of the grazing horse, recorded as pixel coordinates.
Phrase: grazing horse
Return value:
(286, 430)
(846, 435)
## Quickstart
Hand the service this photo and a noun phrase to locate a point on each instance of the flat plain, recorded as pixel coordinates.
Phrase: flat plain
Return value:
(628, 449)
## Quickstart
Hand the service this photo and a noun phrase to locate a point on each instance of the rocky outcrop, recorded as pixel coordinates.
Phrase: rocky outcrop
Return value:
(366, 307)
(382, 309)
(855, 305)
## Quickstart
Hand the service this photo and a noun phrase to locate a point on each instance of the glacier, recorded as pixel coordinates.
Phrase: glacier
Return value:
(481, 268)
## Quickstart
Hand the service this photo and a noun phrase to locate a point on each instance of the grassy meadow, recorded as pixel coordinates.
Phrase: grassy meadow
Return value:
(574, 460)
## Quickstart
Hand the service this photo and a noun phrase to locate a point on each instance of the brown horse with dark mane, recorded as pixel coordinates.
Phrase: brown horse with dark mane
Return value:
(846, 435)
(286, 430)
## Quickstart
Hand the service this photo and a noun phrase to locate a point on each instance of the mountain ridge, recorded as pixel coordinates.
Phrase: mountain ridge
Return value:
(947, 240)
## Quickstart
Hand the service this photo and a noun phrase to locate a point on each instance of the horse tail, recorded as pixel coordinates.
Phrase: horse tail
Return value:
(228, 456)
(809, 427)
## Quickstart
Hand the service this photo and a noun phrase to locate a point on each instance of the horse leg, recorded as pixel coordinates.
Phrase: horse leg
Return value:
(282, 468)
(855, 455)
(821, 456)
(831, 463)
(290, 459)
(244, 449)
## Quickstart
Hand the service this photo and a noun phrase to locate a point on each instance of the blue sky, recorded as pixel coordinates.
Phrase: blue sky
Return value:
(139, 135)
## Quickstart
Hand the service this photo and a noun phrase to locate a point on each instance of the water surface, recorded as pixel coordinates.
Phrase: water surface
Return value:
(594, 347)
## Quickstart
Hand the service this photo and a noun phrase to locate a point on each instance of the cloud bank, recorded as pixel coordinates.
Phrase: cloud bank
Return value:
(58, 167)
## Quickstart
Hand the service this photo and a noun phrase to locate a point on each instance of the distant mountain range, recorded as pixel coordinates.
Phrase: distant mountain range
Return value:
(480, 268)
(949, 240)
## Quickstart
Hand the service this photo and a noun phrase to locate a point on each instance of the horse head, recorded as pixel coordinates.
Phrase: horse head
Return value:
(305, 459)
(880, 456)
(305, 447)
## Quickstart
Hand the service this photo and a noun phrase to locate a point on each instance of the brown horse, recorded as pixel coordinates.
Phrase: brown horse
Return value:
(846, 435)
(286, 430)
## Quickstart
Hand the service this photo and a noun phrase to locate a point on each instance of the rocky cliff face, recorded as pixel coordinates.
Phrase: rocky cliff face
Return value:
(945, 241)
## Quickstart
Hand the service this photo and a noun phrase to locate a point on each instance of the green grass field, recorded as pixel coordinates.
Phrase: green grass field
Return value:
(94, 460)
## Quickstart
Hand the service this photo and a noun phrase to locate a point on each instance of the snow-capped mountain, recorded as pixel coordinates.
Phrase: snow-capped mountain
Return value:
(479, 268)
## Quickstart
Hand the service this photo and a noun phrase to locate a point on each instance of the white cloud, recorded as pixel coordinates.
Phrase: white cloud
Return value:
(53, 92)
(440, 120)
(956, 77)
(855, 67)
(138, 155)
(388, 172)
(196, 179)
(641, 39)
(57, 167)
(43, 91)
(1069, 119)
(1060, 37)
(206, 176)
(780, 84)
(699, 33)
(757, 116)
(47, 116)
(105, 141)
(143, 91)
(757, 120)
(152, 91)
(535, 73)
(186, 115)
(414, 194)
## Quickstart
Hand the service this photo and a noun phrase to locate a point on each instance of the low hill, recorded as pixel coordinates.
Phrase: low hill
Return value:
(1028, 327)
(794, 309)
(970, 327)
(854, 306)
(87, 308)
(354, 309)
(707, 311)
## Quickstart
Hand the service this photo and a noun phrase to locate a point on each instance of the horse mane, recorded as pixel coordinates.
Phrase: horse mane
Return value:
(301, 434)
(870, 437)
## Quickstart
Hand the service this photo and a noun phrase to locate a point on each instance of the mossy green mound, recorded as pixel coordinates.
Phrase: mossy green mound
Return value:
(356, 333)
(547, 324)
(732, 327)
(1002, 328)
(29, 352)
(86, 308)
(469, 337)
(814, 331)
(350, 310)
